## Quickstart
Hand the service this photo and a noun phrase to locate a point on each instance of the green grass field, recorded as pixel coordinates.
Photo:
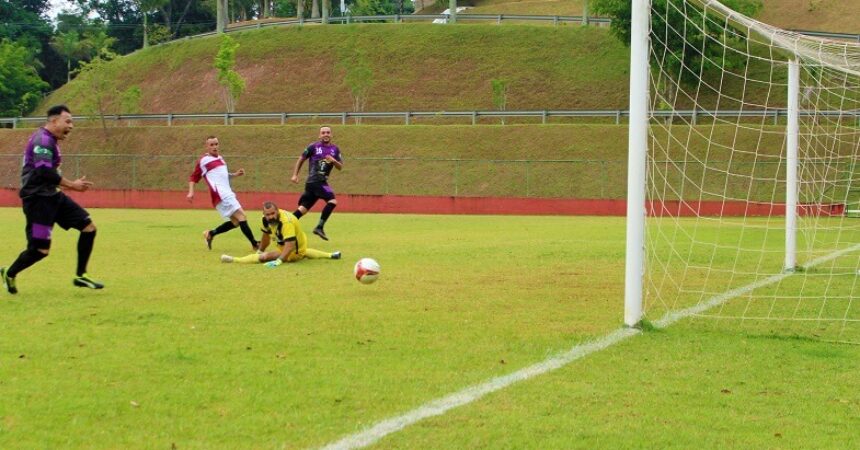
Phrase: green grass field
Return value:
(181, 350)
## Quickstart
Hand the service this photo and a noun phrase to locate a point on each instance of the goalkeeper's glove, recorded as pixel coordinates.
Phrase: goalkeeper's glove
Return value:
(274, 263)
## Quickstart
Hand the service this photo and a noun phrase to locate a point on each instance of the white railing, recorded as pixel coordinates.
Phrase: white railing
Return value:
(407, 117)
(464, 17)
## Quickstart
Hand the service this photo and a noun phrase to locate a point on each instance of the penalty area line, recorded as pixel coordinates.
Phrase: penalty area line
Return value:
(468, 395)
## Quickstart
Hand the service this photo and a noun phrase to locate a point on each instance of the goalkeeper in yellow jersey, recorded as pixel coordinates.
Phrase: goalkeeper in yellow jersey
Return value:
(283, 228)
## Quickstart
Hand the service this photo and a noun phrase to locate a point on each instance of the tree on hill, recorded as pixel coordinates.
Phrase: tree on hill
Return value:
(146, 7)
(232, 82)
(687, 48)
(97, 87)
(70, 46)
(500, 94)
(23, 22)
(379, 8)
(20, 85)
(358, 77)
(170, 19)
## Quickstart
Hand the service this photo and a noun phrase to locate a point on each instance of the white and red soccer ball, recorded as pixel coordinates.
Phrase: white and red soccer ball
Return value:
(366, 270)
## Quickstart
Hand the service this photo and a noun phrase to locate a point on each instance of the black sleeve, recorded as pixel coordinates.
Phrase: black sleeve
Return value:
(48, 175)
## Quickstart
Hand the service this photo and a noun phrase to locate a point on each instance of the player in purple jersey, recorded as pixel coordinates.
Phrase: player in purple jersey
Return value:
(45, 204)
(323, 156)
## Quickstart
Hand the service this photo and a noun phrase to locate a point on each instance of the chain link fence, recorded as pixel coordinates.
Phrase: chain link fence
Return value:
(371, 176)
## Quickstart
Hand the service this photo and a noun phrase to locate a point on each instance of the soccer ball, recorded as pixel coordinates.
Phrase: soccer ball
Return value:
(366, 270)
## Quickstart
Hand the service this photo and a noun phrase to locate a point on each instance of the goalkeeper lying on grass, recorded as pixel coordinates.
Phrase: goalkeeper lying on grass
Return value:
(292, 244)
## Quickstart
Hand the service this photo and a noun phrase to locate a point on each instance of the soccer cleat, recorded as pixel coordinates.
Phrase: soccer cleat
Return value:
(8, 283)
(207, 235)
(255, 246)
(335, 255)
(319, 232)
(226, 259)
(87, 282)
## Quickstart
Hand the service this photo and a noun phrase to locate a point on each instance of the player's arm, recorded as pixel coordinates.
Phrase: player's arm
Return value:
(266, 238)
(264, 242)
(190, 195)
(195, 177)
(288, 247)
(237, 173)
(297, 167)
(80, 185)
(45, 170)
(336, 163)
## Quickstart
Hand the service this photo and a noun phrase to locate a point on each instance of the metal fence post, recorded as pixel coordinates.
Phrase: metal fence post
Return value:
(226, 118)
(456, 177)
(283, 118)
(343, 118)
(694, 116)
(406, 116)
(603, 175)
(387, 174)
(617, 117)
(528, 178)
(14, 123)
(543, 117)
(474, 117)
(256, 173)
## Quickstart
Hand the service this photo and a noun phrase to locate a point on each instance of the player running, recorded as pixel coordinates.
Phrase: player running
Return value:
(45, 204)
(323, 155)
(212, 168)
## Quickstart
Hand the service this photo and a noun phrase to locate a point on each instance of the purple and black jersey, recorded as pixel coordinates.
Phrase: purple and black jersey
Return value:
(40, 173)
(318, 168)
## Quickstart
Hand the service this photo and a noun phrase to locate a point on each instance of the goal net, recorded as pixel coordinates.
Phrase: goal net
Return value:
(740, 230)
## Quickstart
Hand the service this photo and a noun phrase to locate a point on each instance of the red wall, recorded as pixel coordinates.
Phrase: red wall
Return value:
(426, 205)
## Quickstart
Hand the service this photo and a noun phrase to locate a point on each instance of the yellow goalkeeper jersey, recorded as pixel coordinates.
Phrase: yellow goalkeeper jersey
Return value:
(284, 229)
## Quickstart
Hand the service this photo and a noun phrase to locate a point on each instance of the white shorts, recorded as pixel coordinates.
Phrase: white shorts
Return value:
(227, 206)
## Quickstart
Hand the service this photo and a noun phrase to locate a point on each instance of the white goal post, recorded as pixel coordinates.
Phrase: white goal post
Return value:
(759, 204)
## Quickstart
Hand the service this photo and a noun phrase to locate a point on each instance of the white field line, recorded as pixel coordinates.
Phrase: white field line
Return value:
(468, 395)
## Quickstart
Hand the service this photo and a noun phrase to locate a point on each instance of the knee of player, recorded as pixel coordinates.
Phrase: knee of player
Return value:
(90, 228)
(333, 201)
(44, 251)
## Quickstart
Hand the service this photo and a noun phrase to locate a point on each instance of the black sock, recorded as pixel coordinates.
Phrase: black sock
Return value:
(223, 228)
(85, 249)
(246, 230)
(298, 213)
(329, 207)
(26, 259)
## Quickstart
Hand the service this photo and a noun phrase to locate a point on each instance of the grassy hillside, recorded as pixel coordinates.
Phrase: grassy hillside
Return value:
(415, 67)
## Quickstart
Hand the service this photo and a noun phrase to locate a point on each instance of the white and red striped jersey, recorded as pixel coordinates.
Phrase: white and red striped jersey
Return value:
(213, 169)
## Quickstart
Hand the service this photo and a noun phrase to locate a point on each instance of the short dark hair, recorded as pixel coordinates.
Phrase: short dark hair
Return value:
(269, 205)
(57, 110)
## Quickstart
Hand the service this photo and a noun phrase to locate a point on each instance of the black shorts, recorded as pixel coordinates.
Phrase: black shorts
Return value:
(314, 192)
(43, 212)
